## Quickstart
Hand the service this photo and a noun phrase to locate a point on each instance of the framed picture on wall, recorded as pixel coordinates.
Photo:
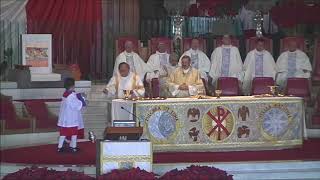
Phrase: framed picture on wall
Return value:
(37, 52)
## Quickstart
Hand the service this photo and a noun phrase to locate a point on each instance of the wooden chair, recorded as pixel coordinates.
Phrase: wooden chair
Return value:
(316, 60)
(299, 87)
(284, 43)
(186, 44)
(229, 86)
(120, 42)
(234, 41)
(251, 44)
(260, 85)
(153, 44)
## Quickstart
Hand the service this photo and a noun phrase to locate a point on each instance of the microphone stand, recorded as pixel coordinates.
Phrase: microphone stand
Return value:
(132, 114)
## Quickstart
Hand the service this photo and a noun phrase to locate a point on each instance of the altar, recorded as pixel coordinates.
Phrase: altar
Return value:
(224, 124)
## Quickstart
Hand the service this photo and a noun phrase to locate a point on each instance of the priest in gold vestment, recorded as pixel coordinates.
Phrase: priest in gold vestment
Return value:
(185, 81)
(124, 81)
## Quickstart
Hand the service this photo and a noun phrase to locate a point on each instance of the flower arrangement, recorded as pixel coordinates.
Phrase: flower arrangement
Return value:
(197, 173)
(132, 174)
(190, 173)
(36, 173)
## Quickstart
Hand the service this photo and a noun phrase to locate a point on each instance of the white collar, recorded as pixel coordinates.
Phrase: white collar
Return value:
(185, 71)
(226, 46)
(259, 52)
(128, 54)
(157, 52)
(194, 51)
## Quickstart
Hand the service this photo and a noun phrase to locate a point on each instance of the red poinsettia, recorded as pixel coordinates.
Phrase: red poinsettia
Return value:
(124, 174)
(36, 173)
(197, 173)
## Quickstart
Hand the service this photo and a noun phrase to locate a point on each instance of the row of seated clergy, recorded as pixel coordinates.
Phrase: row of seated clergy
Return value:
(225, 62)
(183, 81)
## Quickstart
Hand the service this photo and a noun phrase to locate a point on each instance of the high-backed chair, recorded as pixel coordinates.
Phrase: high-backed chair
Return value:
(298, 87)
(316, 60)
(229, 86)
(234, 41)
(284, 43)
(260, 85)
(251, 44)
(155, 88)
(186, 44)
(45, 121)
(120, 42)
(153, 44)
(10, 122)
(316, 115)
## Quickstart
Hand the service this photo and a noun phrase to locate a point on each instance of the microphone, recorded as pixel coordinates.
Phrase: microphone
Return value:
(131, 114)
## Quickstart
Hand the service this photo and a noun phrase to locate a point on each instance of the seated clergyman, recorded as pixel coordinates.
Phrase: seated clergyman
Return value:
(124, 82)
(185, 81)
(292, 63)
(259, 63)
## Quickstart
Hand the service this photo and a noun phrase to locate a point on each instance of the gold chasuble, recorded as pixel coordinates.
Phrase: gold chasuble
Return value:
(190, 77)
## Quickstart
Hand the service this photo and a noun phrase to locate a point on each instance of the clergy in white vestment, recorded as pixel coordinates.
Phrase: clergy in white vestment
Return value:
(199, 59)
(258, 63)
(137, 65)
(185, 81)
(157, 62)
(124, 81)
(292, 63)
(163, 64)
(226, 61)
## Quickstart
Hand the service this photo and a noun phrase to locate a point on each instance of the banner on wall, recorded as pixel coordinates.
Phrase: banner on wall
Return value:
(37, 52)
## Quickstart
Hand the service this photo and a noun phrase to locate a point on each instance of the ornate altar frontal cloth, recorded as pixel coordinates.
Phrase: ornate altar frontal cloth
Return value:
(225, 124)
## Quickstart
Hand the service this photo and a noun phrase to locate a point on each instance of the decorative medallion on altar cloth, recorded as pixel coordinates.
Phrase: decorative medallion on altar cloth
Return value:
(162, 124)
(218, 123)
(275, 121)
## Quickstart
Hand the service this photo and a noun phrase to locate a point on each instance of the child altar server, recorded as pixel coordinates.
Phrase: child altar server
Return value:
(70, 118)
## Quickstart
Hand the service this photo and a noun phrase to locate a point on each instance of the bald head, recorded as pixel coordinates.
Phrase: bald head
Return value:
(128, 45)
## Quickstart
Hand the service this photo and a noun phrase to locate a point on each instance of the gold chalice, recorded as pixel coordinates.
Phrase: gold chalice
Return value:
(273, 90)
(218, 93)
(126, 94)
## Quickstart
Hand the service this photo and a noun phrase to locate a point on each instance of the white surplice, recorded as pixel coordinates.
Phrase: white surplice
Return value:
(292, 64)
(257, 64)
(118, 84)
(160, 62)
(70, 112)
(137, 65)
(226, 62)
(199, 60)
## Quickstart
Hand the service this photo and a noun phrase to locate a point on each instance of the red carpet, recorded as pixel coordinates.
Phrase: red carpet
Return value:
(46, 154)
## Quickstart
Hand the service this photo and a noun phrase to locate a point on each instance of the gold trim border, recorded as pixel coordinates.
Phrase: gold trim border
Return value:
(234, 146)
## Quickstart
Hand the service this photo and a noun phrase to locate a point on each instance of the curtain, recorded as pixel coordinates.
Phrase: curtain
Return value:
(76, 29)
(12, 25)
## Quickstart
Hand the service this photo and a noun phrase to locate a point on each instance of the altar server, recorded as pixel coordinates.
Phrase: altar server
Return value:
(292, 63)
(185, 81)
(226, 61)
(199, 59)
(258, 63)
(70, 118)
(123, 81)
(137, 65)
